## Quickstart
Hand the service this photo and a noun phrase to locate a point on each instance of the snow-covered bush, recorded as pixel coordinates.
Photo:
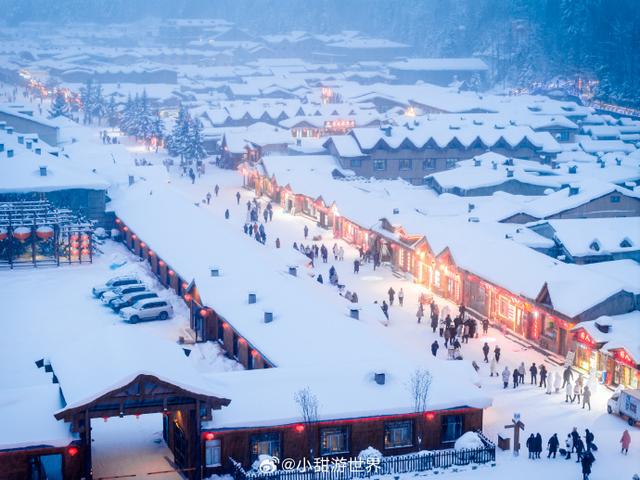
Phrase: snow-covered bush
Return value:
(369, 452)
(468, 441)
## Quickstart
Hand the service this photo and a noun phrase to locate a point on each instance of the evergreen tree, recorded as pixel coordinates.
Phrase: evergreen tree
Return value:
(157, 131)
(111, 112)
(59, 106)
(176, 143)
(87, 98)
(194, 148)
(98, 106)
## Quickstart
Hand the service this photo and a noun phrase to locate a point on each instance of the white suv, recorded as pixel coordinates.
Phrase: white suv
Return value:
(100, 290)
(119, 292)
(147, 309)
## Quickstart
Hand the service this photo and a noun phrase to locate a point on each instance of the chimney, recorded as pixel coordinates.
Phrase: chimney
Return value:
(379, 378)
(618, 161)
(509, 172)
(573, 190)
(10, 130)
(396, 211)
(43, 170)
(215, 271)
(470, 207)
(10, 153)
(1, 147)
(21, 139)
(602, 164)
(476, 162)
(268, 317)
(131, 180)
(354, 312)
(3, 125)
(29, 143)
(573, 169)
(494, 165)
(252, 298)
(37, 150)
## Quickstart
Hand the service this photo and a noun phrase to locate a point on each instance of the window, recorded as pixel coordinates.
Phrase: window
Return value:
(213, 453)
(429, 164)
(380, 165)
(334, 441)
(265, 444)
(356, 162)
(405, 164)
(615, 198)
(450, 162)
(451, 428)
(398, 434)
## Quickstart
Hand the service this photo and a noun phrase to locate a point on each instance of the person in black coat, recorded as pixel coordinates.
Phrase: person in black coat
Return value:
(553, 445)
(533, 370)
(516, 376)
(589, 438)
(567, 375)
(531, 445)
(579, 449)
(538, 445)
(434, 322)
(496, 352)
(434, 347)
(485, 351)
(543, 376)
(587, 461)
(575, 436)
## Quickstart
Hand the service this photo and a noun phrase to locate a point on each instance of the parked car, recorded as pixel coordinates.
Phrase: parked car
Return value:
(148, 309)
(121, 291)
(115, 282)
(626, 403)
(130, 299)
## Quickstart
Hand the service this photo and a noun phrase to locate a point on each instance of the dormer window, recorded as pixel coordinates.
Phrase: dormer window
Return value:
(595, 246)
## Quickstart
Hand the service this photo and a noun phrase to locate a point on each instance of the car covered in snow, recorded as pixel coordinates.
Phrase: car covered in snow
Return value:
(148, 309)
(118, 292)
(115, 282)
(130, 299)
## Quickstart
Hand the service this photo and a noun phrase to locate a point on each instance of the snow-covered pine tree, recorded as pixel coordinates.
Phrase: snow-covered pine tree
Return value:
(194, 151)
(59, 106)
(128, 114)
(157, 131)
(97, 103)
(176, 142)
(87, 97)
(111, 112)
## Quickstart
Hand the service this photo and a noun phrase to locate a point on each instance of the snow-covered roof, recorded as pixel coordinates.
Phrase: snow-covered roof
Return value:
(580, 236)
(624, 332)
(115, 360)
(360, 396)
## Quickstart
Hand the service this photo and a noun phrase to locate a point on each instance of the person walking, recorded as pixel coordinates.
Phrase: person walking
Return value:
(516, 377)
(549, 384)
(434, 348)
(306, 232)
(420, 313)
(588, 439)
(538, 445)
(567, 375)
(579, 449)
(392, 293)
(401, 296)
(385, 309)
(575, 436)
(543, 376)
(506, 374)
(493, 368)
(434, 322)
(533, 371)
(577, 391)
(278, 242)
(625, 441)
(496, 353)
(208, 198)
(485, 326)
(586, 463)
(531, 446)
(521, 370)
(485, 351)
(341, 253)
(226, 214)
(356, 266)
(553, 445)
(557, 382)
(568, 446)
(319, 279)
(586, 400)
(568, 390)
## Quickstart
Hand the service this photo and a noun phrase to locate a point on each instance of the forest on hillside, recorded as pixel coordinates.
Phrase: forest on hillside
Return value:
(524, 41)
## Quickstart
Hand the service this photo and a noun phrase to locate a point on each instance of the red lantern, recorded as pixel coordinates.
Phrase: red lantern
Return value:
(150, 253)
(22, 233)
(143, 245)
(3, 234)
(208, 436)
(187, 297)
(85, 252)
(44, 233)
(72, 451)
(85, 237)
(299, 428)
(75, 244)
(203, 312)
(74, 237)
(184, 285)
(430, 416)
(134, 236)
(171, 273)
(161, 263)
(126, 229)
(74, 251)
(118, 221)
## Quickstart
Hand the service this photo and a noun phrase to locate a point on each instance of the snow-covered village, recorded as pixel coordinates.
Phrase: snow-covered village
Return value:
(295, 240)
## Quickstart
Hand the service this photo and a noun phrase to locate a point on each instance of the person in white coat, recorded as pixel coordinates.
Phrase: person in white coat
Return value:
(568, 390)
(550, 379)
(557, 383)
(493, 366)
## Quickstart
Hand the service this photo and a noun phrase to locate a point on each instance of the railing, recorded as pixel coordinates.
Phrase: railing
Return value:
(416, 462)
